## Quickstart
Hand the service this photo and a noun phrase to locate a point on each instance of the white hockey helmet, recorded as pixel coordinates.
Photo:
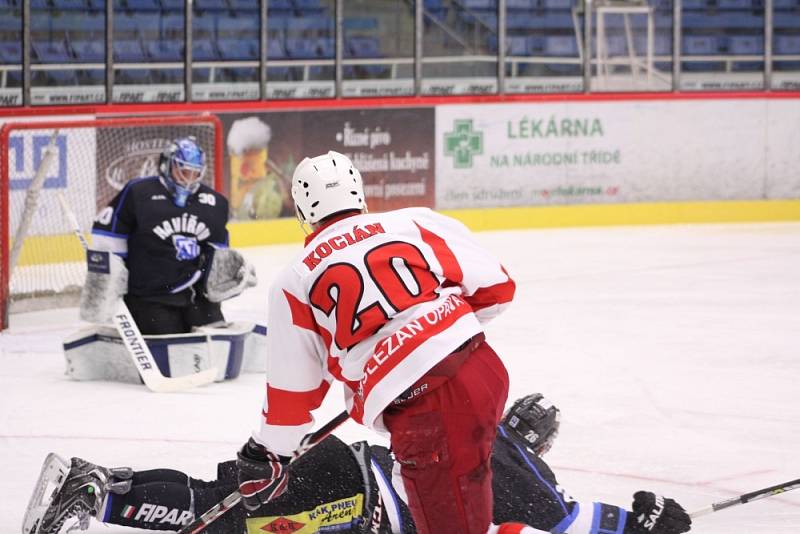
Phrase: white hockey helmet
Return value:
(325, 185)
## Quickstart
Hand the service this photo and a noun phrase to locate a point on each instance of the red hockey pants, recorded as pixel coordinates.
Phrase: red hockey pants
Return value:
(443, 442)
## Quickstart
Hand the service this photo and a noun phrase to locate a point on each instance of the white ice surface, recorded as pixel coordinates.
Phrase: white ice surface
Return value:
(673, 353)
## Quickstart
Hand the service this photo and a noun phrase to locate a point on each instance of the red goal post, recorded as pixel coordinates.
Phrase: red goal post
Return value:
(89, 161)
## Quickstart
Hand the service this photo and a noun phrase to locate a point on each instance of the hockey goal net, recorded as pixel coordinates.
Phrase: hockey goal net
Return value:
(88, 161)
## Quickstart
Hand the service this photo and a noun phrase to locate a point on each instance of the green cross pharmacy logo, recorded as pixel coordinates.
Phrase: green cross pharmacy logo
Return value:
(463, 143)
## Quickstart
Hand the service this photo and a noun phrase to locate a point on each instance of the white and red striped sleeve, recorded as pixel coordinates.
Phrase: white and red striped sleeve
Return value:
(487, 286)
(297, 379)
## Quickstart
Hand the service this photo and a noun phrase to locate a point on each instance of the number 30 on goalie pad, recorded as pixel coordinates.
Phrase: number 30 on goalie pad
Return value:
(97, 353)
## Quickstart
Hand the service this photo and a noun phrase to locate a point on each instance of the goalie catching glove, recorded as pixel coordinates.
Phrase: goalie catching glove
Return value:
(227, 274)
(654, 514)
(263, 475)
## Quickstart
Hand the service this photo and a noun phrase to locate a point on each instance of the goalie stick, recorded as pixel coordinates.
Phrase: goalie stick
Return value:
(132, 338)
(219, 509)
(747, 497)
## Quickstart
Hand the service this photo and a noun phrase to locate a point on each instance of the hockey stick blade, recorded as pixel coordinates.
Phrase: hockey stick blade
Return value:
(219, 509)
(747, 497)
(146, 364)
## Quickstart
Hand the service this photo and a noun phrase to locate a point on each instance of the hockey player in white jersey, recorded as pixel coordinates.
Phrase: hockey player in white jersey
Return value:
(394, 306)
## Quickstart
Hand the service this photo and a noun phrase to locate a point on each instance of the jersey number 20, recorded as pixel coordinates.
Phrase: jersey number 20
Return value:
(384, 264)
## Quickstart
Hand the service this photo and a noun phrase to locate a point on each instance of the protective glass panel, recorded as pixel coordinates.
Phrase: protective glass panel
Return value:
(148, 46)
(226, 50)
(378, 48)
(458, 37)
(67, 53)
(786, 45)
(722, 45)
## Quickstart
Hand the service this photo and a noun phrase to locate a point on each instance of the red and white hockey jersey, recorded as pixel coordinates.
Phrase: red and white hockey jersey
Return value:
(375, 301)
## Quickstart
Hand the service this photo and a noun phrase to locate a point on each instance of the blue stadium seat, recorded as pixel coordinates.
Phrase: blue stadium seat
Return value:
(5, 4)
(246, 6)
(40, 5)
(128, 51)
(204, 25)
(362, 47)
(746, 44)
(736, 4)
(281, 5)
(787, 44)
(701, 45)
(204, 50)
(516, 45)
(275, 49)
(62, 77)
(480, 4)
(360, 23)
(163, 51)
(560, 45)
(548, 21)
(131, 25)
(522, 4)
(10, 52)
(10, 23)
(300, 48)
(172, 26)
(786, 21)
(175, 6)
(309, 7)
(615, 45)
(97, 5)
(134, 76)
(144, 5)
(779, 5)
(309, 26)
(662, 43)
(68, 5)
(238, 49)
(51, 52)
(558, 4)
(89, 51)
(231, 27)
(696, 5)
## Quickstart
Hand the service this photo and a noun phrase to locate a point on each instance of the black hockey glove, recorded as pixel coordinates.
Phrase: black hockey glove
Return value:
(263, 475)
(654, 514)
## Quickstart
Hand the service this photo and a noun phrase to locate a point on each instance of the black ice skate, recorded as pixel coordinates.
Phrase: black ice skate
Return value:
(68, 494)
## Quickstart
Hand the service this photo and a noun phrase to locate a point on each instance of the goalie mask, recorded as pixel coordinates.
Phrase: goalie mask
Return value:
(533, 422)
(182, 166)
(326, 185)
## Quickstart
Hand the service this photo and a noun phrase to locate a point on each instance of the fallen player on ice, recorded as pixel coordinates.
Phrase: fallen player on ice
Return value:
(343, 488)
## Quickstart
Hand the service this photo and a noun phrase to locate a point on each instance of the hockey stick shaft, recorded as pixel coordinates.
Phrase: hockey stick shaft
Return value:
(219, 509)
(132, 338)
(747, 497)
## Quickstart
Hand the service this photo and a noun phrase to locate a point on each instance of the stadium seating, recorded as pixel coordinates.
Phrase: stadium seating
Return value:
(128, 51)
(89, 51)
(10, 52)
(204, 50)
(164, 51)
(238, 49)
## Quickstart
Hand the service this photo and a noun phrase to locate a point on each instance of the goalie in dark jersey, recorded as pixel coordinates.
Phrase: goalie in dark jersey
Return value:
(343, 488)
(170, 230)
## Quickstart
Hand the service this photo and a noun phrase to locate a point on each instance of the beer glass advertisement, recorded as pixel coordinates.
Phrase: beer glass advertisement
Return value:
(393, 149)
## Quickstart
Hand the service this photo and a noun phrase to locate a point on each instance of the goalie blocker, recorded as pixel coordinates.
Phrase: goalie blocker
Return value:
(97, 352)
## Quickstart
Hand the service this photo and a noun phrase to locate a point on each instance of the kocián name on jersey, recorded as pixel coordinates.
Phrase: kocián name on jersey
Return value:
(338, 242)
(185, 224)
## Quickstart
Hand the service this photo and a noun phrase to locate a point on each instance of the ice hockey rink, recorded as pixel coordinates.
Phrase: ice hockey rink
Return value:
(672, 351)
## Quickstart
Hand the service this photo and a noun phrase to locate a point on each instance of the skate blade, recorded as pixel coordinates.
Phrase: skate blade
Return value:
(52, 477)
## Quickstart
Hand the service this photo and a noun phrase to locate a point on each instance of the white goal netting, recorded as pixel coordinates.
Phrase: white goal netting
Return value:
(43, 264)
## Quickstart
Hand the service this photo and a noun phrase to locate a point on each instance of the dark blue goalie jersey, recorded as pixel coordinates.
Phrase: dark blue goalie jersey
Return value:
(164, 245)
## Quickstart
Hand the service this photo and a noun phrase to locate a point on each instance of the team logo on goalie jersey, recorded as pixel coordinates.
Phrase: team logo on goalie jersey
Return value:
(186, 248)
